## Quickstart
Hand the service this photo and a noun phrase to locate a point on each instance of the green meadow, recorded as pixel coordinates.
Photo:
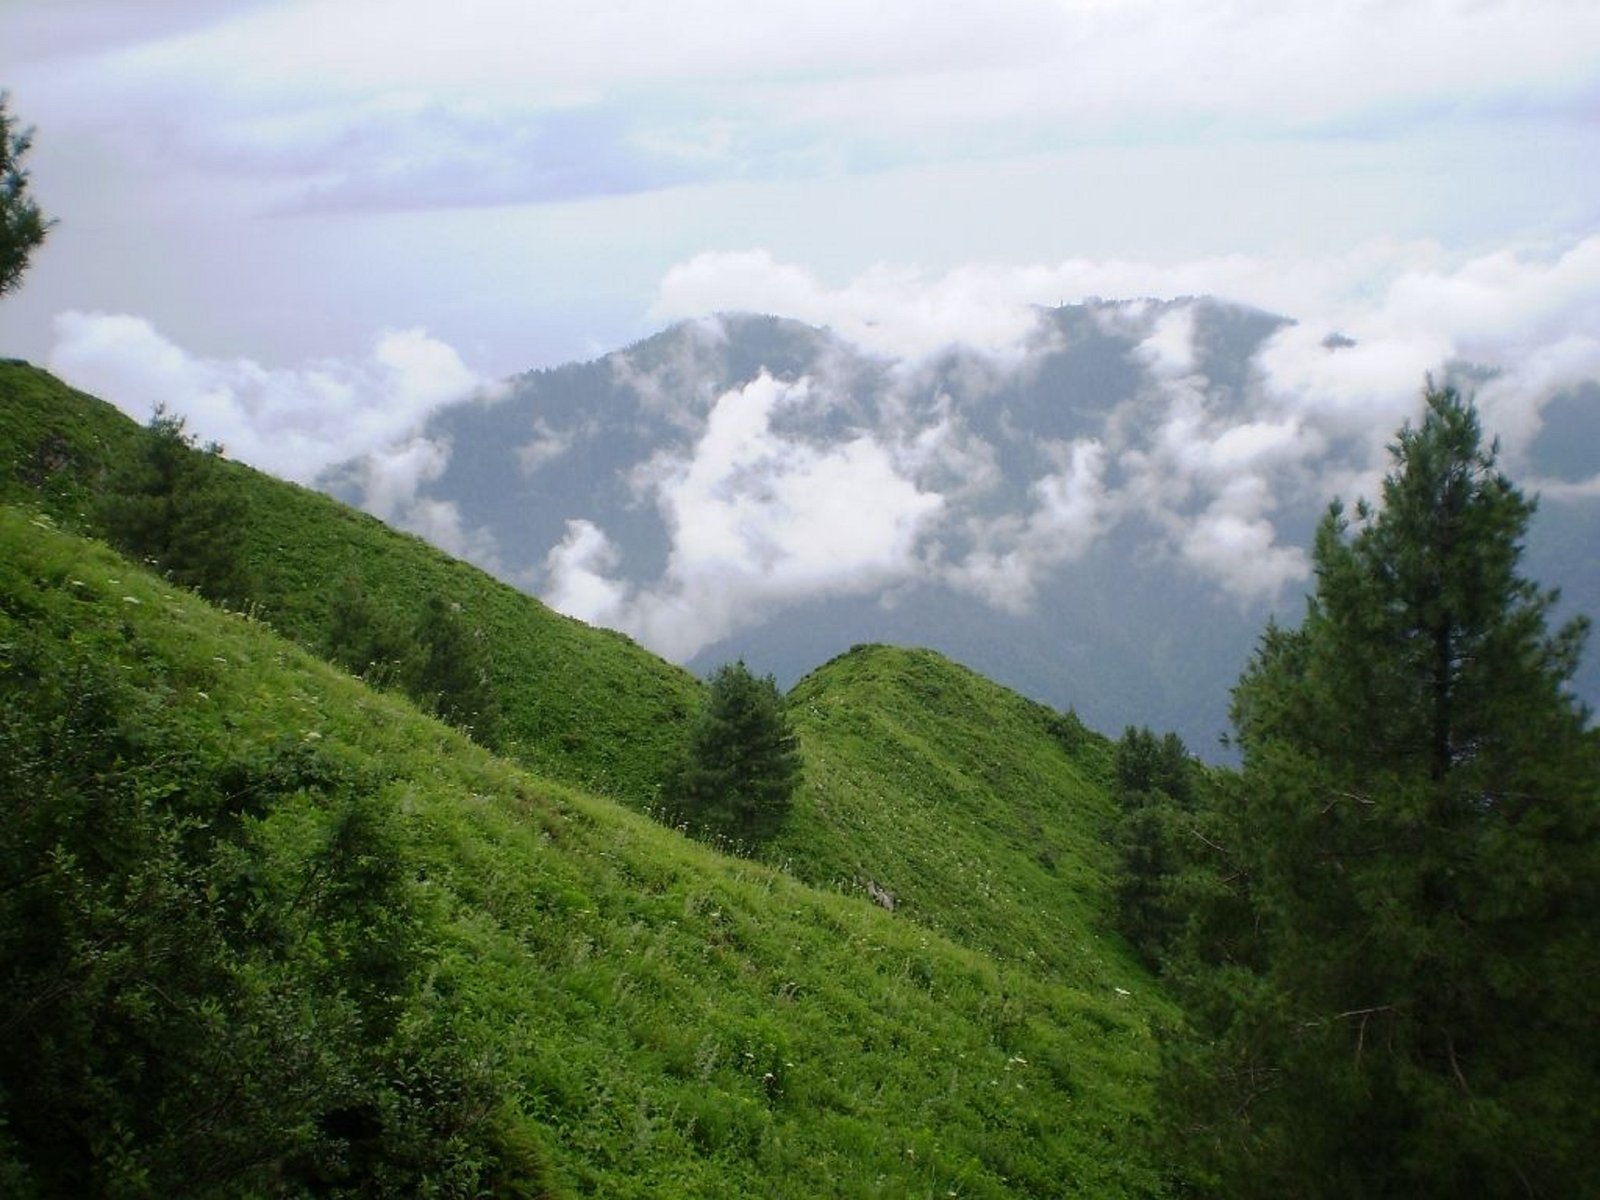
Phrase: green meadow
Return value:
(502, 975)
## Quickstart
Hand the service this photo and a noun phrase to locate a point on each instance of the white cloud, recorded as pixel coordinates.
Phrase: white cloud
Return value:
(1013, 553)
(757, 522)
(1208, 479)
(1410, 308)
(899, 69)
(895, 312)
(390, 476)
(358, 414)
(1528, 316)
(577, 572)
(1169, 351)
(900, 489)
(293, 422)
(440, 522)
(990, 307)
(1566, 490)
(1239, 554)
(833, 133)
(678, 385)
(1206, 473)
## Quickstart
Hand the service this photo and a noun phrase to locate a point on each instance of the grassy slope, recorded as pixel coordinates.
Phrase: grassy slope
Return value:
(583, 705)
(981, 811)
(685, 1023)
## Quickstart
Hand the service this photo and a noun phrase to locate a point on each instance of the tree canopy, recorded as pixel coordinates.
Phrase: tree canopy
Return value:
(1394, 1000)
(22, 226)
(743, 759)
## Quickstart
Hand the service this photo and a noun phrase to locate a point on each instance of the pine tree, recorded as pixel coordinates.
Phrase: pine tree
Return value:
(22, 226)
(1155, 789)
(744, 761)
(171, 505)
(1413, 851)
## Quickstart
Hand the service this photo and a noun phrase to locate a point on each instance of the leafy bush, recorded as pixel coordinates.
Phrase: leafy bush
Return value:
(213, 971)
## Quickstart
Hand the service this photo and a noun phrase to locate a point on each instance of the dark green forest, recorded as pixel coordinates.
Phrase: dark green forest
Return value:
(330, 866)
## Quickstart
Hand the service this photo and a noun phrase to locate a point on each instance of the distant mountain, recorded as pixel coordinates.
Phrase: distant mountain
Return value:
(1102, 515)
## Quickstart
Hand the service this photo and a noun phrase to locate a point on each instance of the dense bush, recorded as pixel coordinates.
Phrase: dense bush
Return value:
(170, 505)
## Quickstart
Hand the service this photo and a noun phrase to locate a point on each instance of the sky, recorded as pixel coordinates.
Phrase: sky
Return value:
(307, 224)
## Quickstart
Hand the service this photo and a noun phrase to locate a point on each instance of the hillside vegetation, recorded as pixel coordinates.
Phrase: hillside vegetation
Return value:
(582, 705)
(477, 977)
(669, 1020)
(980, 812)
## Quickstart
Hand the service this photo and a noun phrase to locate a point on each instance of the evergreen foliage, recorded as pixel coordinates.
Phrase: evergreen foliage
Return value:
(440, 661)
(1156, 785)
(743, 760)
(22, 226)
(171, 506)
(1388, 983)
(364, 637)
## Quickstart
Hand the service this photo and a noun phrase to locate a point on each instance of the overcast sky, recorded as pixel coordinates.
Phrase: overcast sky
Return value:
(317, 220)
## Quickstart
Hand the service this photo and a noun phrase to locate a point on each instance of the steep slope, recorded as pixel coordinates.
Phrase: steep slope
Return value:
(981, 812)
(580, 704)
(673, 1022)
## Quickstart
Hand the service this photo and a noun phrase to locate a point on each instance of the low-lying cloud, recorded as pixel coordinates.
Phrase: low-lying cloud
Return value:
(1368, 324)
(1201, 473)
(364, 414)
(780, 491)
(758, 520)
(291, 421)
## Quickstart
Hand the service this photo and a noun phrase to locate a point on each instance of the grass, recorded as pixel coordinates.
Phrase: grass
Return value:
(981, 812)
(580, 704)
(675, 1021)
(678, 1022)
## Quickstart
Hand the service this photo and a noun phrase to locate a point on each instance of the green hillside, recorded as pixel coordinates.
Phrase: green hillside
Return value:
(657, 1018)
(501, 976)
(579, 704)
(982, 813)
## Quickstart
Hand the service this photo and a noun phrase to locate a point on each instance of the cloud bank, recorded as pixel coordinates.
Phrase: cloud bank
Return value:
(295, 422)
(1403, 309)
(758, 520)
(777, 492)
(1198, 472)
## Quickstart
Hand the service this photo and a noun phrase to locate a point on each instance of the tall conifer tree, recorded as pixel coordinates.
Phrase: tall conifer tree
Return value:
(1415, 837)
(744, 760)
